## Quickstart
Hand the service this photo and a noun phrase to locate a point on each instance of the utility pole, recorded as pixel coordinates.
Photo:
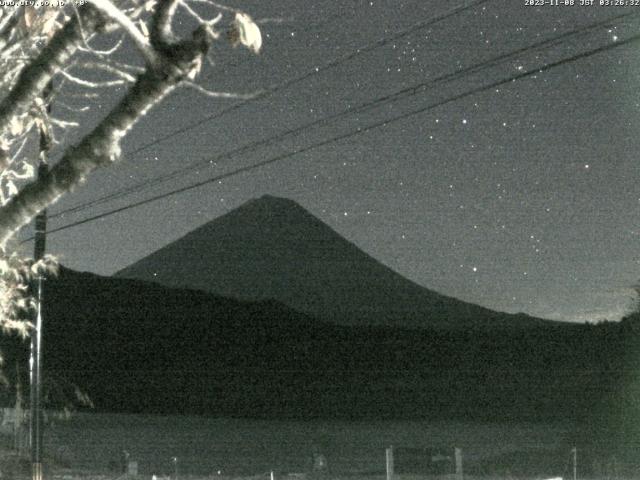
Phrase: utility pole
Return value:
(35, 360)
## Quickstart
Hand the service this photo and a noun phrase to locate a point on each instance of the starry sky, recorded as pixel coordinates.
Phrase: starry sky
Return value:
(520, 198)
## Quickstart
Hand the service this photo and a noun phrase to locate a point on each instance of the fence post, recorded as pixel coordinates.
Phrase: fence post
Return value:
(175, 467)
(459, 472)
(389, 458)
(574, 450)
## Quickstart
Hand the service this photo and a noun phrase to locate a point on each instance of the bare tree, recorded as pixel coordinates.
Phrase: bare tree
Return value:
(48, 54)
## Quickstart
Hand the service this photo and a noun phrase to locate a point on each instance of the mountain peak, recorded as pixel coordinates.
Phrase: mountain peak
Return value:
(271, 203)
(272, 248)
(274, 200)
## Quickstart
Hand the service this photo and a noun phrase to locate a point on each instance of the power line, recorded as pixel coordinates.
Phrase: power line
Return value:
(314, 71)
(412, 90)
(379, 43)
(332, 63)
(358, 131)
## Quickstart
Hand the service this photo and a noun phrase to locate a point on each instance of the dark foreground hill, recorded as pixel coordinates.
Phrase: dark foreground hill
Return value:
(140, 347)
(272, 248)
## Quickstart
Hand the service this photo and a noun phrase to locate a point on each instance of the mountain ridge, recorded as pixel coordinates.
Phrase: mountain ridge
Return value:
(271, 247)
(139, 347)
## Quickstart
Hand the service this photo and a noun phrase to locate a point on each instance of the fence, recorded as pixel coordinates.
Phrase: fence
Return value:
(425, 460)
(538, 463)
(399, 462)
(171, 447)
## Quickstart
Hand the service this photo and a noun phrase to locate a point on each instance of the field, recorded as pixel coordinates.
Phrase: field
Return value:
(233, 447)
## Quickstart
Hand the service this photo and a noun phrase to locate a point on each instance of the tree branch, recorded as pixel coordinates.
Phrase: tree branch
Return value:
(8, 25)
(36, 75)
(102, 145)
(125, 22)
(161, 34)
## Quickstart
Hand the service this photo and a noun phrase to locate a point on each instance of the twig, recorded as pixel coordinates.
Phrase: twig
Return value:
(213, 94)
(89, 84)
(129, 27)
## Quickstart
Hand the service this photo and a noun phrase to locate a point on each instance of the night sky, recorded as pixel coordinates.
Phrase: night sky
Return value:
(520, 198)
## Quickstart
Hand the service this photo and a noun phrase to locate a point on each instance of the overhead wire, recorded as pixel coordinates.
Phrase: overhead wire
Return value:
(449, 77)
(287, 83)
(316, 70)
(358, 131)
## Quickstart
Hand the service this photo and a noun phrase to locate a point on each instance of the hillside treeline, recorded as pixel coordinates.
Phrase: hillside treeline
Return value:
(139, 347)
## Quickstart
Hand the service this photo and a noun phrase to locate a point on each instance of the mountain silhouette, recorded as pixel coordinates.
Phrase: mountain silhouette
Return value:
(272, 248)
(140, 347)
